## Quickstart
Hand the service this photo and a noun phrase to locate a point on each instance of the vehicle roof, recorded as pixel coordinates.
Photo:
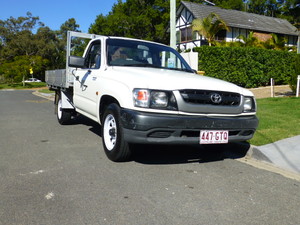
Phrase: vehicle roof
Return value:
(127, 38)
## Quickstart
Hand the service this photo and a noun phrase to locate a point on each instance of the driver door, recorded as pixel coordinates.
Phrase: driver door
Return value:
(85, 88)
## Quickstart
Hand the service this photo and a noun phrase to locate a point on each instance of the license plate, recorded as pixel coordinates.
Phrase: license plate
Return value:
(213, 136)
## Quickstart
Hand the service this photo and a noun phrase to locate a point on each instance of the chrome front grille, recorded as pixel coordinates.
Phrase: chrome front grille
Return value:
(208, 97)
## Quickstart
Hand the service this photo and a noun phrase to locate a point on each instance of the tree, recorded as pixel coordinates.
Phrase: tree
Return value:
(230, 4)
(266, 7)
(21, 48)
(18, 69)
(286, 9)
(69, 25)
(100, 26)
(249, 41)
(276, 42)
(18, 46)
(149, 19)
(16, 36)
(293, 79)
(12, 26)
(209, 26)
(257, 6)
(50, 47)
(143, 19)
(290, 10)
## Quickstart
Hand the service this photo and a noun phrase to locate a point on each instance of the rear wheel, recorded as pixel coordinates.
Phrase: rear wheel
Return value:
(115, 147)
(63, 116)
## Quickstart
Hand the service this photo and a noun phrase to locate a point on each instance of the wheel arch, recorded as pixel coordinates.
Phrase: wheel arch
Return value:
(104, 102)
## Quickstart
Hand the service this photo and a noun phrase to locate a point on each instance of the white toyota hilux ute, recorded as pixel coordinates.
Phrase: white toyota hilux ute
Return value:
(144, 92)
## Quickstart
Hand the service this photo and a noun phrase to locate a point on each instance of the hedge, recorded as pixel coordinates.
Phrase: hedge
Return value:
(247, 67)
(293, 83)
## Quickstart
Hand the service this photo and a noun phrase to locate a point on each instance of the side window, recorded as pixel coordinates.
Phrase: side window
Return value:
(93, 58)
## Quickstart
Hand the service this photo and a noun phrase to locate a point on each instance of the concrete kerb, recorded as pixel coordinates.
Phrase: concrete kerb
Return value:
(256, 158)
(49, 96)
(281, 157)
(284, 153)
(254, 153)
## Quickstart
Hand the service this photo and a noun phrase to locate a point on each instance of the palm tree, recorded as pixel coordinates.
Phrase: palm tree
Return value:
(249, 41)
(209, 26)
(276, 42)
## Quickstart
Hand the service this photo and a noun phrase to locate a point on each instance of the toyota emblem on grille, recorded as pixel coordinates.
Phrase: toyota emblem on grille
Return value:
(215, 98)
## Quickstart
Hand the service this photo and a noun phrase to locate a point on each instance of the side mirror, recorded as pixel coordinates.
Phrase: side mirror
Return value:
(76, 61)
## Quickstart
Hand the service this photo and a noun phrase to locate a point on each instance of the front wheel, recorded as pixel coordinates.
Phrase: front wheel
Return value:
(115, 147)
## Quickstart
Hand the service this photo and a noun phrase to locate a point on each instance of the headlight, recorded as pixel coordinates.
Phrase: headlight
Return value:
(159, 99)
(155, 99)
(249, 104)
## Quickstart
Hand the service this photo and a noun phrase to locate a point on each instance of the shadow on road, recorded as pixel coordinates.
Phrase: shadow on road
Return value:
(92, 125)
(176, 154)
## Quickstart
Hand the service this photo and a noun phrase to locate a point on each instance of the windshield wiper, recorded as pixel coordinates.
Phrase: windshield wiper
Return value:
(180, 69)
(154, 66)
(143, 65)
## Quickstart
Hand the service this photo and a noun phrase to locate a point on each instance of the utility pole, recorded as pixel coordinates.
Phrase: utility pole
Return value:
(173, 23)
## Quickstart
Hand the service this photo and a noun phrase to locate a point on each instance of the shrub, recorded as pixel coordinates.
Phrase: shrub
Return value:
(247, 67)
(293, 80)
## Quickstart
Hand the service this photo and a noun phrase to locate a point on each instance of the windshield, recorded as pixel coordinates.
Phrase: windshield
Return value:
(143, 54)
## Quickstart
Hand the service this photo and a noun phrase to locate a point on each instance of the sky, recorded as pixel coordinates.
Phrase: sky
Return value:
(53, 13)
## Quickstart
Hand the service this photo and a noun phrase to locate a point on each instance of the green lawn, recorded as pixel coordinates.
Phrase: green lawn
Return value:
(20, 85)
(279, 118)
(47, 91)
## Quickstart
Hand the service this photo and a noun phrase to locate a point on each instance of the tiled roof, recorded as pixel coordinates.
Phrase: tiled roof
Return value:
(240, 19)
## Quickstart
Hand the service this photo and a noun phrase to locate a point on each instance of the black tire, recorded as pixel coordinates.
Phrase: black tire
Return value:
(63, 116)
(114, 145)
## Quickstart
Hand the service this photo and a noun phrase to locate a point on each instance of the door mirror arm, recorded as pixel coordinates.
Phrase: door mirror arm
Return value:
(73, 73)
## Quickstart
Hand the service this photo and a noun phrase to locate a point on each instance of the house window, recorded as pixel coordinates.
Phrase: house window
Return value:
(194, 35)
(186, 34)
(178, 36)
(221, 35)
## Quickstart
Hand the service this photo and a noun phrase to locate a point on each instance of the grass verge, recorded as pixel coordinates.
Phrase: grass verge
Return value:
(279, 118)
(47, 91)
(20, 85)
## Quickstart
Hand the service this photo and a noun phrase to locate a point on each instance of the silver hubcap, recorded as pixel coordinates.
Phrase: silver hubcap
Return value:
(110, 132)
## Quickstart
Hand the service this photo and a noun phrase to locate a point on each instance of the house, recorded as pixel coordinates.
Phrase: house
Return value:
(239, 23)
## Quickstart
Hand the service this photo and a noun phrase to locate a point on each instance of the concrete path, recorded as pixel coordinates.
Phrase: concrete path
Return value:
(284, 153)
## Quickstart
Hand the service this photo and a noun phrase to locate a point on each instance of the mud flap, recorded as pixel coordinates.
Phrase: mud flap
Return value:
(67, 100)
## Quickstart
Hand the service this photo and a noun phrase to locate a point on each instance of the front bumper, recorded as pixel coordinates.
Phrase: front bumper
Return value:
(143, 127)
